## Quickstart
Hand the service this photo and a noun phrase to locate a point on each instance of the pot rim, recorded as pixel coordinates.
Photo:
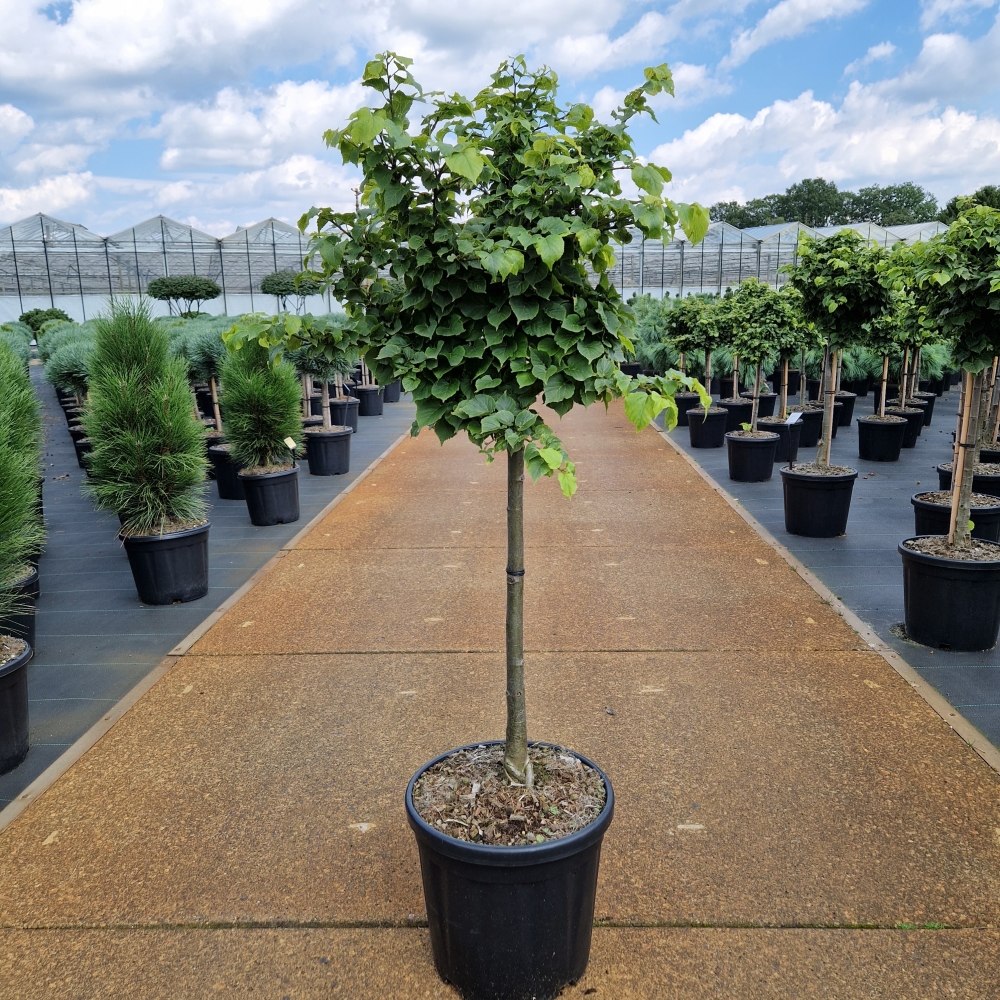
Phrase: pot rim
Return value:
(738, 436)
(712, 409)
(268, 475)
(813, 477)
(917, 502)
(970, 565)
(19, 661)
(368, 388)
(166, 535)
(337, 430)
(499, 856)
(976, 475)
(893, 421)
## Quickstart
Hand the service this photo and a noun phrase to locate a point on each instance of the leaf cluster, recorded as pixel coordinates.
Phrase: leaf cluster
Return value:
(36, 317)
(764, 323)
(189, 289)
(287, 284)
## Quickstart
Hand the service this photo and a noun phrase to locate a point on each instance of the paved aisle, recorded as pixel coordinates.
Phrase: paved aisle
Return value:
(788, 809)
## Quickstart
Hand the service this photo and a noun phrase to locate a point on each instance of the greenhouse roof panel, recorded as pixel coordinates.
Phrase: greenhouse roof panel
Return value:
(162, 230)
(781, 230)
(918, 231)
(54, 230)
(268, 231)
(867, 230)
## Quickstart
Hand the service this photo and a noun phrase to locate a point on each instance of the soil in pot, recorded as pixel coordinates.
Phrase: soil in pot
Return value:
(272, 494)
(171, 567)
(914, 422)
(511, 922)
(788, 438)
(369, 400)
(344, 412)
(932, 514)
(881, 438)
(810, 424)
(329, 451)
(817, 499)
(708, 430)
(985, 478)
(684, 401)
(14, 657)
(738, 412)
(227, 479)
(312, 422)
(751, 455)
(765, 403)
(951, 598)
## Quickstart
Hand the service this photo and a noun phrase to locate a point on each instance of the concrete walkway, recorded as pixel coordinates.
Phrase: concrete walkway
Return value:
(793, 820)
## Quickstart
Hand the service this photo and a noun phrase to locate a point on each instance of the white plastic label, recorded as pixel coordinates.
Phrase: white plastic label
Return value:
(794, 418)
(291, 443)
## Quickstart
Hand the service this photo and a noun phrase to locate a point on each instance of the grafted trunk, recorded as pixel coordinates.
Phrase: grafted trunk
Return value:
(515, 758)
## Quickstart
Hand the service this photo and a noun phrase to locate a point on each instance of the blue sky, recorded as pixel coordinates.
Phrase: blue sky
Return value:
(211, 111)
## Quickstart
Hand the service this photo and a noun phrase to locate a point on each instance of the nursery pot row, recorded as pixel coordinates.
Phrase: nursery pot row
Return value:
(272, 497)
(930, 518)
(170, 567)
(817, 506)
(751, 459)
(881, 440)
(981, 482)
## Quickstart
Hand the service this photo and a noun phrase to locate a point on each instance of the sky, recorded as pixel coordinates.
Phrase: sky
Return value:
(212, 111)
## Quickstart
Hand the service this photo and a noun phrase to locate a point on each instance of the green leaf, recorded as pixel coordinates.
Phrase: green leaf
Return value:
(365, 126)
(466, 163)
(524, 309)
(694, 221)
(588, 239)
(648, 178)
(550, 249)
(591, 350)
(567, 483)
(478, 406)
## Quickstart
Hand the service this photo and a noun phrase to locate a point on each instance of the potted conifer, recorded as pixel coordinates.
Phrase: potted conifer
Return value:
(842, 296)
(263, 425)
(510, 215)
(148, 460)
(951, 583)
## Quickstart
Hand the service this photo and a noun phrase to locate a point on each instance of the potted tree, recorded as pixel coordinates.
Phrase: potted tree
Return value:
(880, 436)
(842, 296)
(695, 331)
(951, 583)
(503, 198)
(184, 292)
(760, 320)
(790, 338)
(263, 426)
(148, 460)
(689, 339)
(285, 285)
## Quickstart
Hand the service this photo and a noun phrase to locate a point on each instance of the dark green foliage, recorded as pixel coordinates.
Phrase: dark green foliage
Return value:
(988, 195)
(766, 321)
(148, 462)
(287, 284)
(68, 367)
(21, 531)
(650, 335)
(892, 205)
(261, 404)
(36, 317)
(189, 289)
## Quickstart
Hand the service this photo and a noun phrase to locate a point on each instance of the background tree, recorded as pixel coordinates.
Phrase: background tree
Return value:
(891, 205)
(988, 195)
(692, 333)
(842, 295)
(487, 211)
(287, 284)
(36, 317)
(185, 292)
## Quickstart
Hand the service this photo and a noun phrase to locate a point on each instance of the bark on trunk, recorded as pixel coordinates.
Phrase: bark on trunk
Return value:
(964, 467)
(904, 376)
(736, 377)
(826, 385)
(708, 372)
(885, 385)
(682, 362)
(756, 399)
(327, 419)
(784, 388)
(305, 396)
(802, 378)
(515, 758)
(215, 403)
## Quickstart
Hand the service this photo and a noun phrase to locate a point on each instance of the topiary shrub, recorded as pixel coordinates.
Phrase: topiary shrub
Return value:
(184, 288)
(261, 403)
(283, 285)
(36, 317)
(148, 461)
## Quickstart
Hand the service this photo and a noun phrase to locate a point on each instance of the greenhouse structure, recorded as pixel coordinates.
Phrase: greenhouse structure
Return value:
(45, 262)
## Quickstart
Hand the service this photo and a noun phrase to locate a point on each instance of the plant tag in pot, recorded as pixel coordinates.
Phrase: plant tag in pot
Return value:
(291, 443)
(794, 418)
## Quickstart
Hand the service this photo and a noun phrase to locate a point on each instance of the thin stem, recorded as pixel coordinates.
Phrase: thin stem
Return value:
(756, 399)
(964, 469)
(736, 377)
(327, 420)
(784, 388)
(215, 402)
(826, 384)
(885, 385)
(515, 758)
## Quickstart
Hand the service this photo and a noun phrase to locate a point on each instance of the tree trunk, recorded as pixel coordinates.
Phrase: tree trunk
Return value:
(885, 385)
(964, 468)
(682, 363)
(708, 372)
(802, 378)
(736, 377)
(327, 419)
(826, 385)
(915, 381)
(904, 376)
(215, 403)
(515, 757)
(756, 398)
(305, 396)
(784, 388)
(840, 364)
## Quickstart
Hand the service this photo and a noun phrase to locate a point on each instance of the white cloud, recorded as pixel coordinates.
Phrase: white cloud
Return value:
(933, 12)
(884, 50)
(51, 195)
(14, 126)
(868, 139)
(787, 19)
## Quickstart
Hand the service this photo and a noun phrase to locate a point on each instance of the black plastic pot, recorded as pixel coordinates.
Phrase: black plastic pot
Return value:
(811, 428)
(311, 422)
(788, 439)
(929, 398)
(914, 422)
(980, 483)
(793, 383)
(812, 388)
(684, 401)
(630, 368)
(880, 440)
(272, 497)
(765, 403)
(935, 519)
(846, 413)
(344, 412)
(392, 391)
(510, 923)
(212, 438)
(316, 406)
(369, 400)
(227, 479)
(14, 711)
(21, 624)
(951, 603)
(707, 430)
(725, 387)
(751, 460)
(817, 506)
(737, 412)
(82, 448)
(990, 456)
(329, 452)
(170, 567)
